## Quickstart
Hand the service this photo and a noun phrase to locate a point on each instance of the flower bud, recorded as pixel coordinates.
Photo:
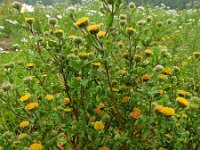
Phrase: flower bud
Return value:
(122, 17)
(132, 5)
(122, 22)
(77, 40)
(53, 21)
(17, 6)
(6, 86)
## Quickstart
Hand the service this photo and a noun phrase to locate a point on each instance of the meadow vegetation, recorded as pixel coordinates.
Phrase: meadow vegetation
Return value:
(103, 75)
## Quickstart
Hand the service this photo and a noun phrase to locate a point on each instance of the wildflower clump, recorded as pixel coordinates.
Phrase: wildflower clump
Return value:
(167, 111)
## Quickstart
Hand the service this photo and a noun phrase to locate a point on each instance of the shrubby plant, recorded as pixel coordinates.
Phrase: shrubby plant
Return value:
(101, 83)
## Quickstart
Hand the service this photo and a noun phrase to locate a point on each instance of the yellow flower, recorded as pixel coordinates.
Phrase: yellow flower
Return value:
(130, 31)
(162, 148)
(124, 99)
(99, 125)
(115, 90)
(93, 29)
(22, 136)
(71, 37)
(30, 65)
(66, 101)
(136, 113)
(26, 97)
(101, 34)
(184, 115)
(82, 22)
(101, 105)
(30, 21)
(167, 71)
(83, 55)
(181, 92)
(169, 135)
(145, 77)
(148, 52)
(158, 108)
(30, 106)
(68, 109)
(35, 146)
(24, 124)
(196, 54)
(161, 92)
(194, 106)
(137, 57)
(96, 64)
(49, 97)
(182, 101)
(78, 78)
(167, 111)
(58, 32)
(184, 63)
(162, 78)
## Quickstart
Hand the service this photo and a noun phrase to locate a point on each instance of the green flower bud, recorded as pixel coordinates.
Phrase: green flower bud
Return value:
(78, 40)
(17, 6)
(122, 17)
(53, 21)
(123, 22)
(6, 86)
(132, 5)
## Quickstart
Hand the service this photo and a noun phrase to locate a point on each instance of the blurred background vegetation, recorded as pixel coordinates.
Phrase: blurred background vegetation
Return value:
(180, 4)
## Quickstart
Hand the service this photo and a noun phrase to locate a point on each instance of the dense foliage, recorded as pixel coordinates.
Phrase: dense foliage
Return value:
(101, 75)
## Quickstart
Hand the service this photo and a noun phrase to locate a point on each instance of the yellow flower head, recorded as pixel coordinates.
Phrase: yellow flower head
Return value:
(82, 22)
(101, 34)
(30, 65)
(167, 111)
(35, 146)
(72, 37)
(162, 148)
(196, 54)
(130, 31)
(67, 101)
(83, 55)
(67, 109)
(182, 101)
(145, 77)
(58, 32)
(30, 21)
(93, 29)
(22, 136)
(124, 99)
(158, 108)
(99, 125)
(96, 65)
(167, 71)
(49, 97)
(194, 106)
(24, 124)
(30, 106)
(181, 92)
(26, 97)
(148, 52)
(101, 105)
(137, 57)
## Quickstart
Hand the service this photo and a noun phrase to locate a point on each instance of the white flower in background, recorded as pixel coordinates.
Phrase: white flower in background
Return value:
(24, 40)
(1, 27)
(27, 8)
(1, 50)
(14, 22)
(59, 16)
(48, 16)
(171, 12)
